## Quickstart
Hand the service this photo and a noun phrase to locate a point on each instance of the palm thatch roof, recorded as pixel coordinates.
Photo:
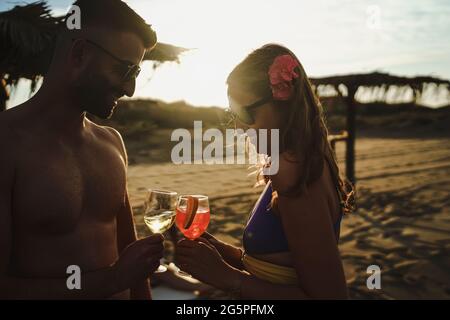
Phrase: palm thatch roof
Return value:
(164, 52)
(26, 41)
(27, 37)
(374, 82)
(381, 82)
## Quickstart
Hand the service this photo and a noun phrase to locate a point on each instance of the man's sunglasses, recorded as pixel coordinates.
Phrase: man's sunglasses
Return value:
(131, 71)
(245, 113)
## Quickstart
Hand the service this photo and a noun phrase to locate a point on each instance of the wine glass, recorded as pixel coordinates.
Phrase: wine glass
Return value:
(192, 217)
(159, 213)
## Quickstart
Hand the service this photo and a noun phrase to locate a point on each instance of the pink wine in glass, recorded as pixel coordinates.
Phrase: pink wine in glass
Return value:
(198, 226)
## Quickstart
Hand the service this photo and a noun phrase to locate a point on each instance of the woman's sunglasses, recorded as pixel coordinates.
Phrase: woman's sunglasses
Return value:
(245, 113)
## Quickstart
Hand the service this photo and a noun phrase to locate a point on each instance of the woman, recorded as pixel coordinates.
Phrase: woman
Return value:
(290, 241)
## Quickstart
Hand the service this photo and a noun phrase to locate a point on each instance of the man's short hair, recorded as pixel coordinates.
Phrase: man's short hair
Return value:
(116, 15)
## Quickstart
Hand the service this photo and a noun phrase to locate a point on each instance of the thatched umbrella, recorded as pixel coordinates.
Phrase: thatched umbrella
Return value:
(27, 38)
(374, 82)
(164, 52)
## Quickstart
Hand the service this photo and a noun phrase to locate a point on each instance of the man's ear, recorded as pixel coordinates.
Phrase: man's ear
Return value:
(78, 53)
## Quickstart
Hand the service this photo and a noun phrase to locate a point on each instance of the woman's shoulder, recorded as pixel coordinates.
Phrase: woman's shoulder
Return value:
(289, 172)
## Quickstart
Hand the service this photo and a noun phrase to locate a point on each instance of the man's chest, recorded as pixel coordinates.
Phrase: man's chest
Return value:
(59, 186)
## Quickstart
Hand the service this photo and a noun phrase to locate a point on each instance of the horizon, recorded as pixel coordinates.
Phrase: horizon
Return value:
(405, 39)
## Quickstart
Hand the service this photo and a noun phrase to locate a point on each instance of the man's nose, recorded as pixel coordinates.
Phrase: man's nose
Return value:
(129, 87)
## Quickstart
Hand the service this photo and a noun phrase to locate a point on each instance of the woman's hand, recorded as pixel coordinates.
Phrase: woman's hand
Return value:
(202, 260)
(229, 253)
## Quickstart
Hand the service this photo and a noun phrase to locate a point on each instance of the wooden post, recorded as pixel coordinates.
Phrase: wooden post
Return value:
(333, 146)
(351, 129)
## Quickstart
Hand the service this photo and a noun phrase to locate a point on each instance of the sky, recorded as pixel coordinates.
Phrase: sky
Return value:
(403, 37)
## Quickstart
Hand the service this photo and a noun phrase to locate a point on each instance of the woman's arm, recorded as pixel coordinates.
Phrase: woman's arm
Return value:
(309, 230)
(201, 260)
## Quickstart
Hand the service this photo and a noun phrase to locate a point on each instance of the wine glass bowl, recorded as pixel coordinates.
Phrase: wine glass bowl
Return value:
(159, 212)
(200, 221)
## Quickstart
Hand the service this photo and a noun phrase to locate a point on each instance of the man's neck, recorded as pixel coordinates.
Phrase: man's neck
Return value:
(58, 112)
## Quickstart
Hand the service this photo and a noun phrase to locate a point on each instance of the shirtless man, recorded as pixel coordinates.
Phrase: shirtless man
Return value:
(63, 194)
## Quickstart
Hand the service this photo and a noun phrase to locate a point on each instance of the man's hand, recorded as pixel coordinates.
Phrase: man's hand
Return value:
(138, 261)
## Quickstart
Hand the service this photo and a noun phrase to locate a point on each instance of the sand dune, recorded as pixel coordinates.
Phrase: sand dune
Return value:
(402, 223)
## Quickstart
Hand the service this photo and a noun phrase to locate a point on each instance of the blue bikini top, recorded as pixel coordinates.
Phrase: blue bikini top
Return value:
(264, 232)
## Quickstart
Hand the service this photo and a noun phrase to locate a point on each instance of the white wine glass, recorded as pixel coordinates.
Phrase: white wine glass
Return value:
(159, 213)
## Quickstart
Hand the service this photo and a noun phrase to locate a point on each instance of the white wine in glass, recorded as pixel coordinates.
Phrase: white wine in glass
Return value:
(159, 213)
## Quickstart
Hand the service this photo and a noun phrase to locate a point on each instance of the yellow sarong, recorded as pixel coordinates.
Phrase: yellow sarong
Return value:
(270, 272)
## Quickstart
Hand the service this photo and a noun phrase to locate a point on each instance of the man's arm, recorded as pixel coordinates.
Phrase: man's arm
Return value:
(125, 235)
(126, 232)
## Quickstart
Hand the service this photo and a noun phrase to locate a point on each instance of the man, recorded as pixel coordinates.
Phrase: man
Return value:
(63, 195)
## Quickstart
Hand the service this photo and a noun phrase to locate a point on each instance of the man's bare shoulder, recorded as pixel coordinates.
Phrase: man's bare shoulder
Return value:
(109, 135)
(15, 120)
(9, 143)
(9, 124)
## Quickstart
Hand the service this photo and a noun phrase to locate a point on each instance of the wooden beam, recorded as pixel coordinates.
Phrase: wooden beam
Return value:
(333, 138)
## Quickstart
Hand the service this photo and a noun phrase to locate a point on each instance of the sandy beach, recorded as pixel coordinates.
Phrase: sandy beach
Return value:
(402, 223)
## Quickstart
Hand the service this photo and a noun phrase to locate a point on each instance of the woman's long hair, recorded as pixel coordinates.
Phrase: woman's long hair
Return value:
(304, 133)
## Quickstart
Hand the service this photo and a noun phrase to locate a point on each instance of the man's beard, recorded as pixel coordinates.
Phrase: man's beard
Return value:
(94, 94)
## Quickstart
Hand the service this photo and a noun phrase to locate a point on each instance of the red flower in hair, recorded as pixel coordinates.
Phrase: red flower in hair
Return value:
(281, 74)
